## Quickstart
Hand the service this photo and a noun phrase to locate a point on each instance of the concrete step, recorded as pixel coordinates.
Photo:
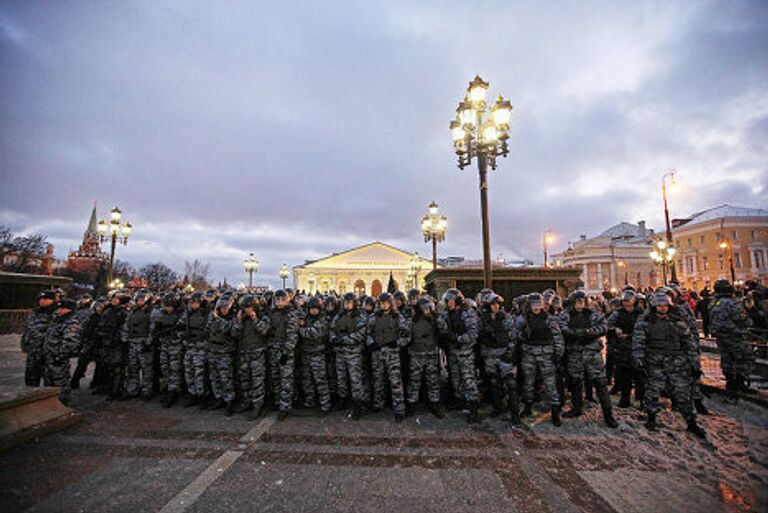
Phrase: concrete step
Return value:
(27, 413)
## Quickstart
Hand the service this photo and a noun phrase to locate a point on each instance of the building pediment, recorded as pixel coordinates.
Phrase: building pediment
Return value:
(373, 255)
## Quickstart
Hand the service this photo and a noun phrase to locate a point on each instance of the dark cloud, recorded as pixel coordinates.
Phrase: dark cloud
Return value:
(299, 129)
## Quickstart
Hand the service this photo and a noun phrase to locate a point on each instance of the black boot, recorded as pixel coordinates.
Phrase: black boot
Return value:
(434, 408)
(205, 403)
(743, 386)
(527, 411)
(230, 408)
(244, 408)
(473, 417)
(399, 417)
(171, 399)
(650, 424)
(513, 405)
(255, 414)
(357, 410)
(695, 428)
(281, 415)
(74, 384)
(410, 409)
(700, 408)
(577, 401)
(605, 405)
(218, 404)
(192, 401)
(498, 407)
(556, 415)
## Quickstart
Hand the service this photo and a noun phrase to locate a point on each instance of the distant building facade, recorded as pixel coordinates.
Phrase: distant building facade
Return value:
(618, 256)
(700, 259)
(362, 270)
(88, 258)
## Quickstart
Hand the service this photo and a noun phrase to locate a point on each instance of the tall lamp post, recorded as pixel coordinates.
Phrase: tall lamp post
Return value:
(113, 231)
(547, 239)
(433, 227)
(483, 139)
(251, 266)
(284, 273)
(726, 245)
(663, 255)
(416, 267)
(668, 182)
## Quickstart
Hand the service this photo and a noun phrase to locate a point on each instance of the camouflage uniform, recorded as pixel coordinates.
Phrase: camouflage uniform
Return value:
(112, 349)
(728, 322)
(194, 332)
(583, 351)
(164, 331)
(541, 345)
(423, 353)
(62, 342)
(135, 334)
(89, 348)
(498, 348)
(387, 334)
(285, 323)
(313, 334)
(252, 348)
(348, 333)
(460, 327)
(664, 348)
(32, 344)
(221, 347)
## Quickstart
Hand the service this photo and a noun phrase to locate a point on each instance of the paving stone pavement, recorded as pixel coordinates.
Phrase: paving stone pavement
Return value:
(137, 456)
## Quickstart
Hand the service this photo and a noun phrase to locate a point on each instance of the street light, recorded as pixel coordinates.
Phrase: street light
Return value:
(116, 283)
(113, 230)
(251, 266)
(724, 244)
(547, 239)
(483, 139)
(623, 265)
(662, 255)
(433, 227)
(284, 273)
(672, 185)
(416, 267)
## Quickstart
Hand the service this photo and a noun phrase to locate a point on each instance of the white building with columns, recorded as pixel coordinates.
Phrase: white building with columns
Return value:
(616, 257)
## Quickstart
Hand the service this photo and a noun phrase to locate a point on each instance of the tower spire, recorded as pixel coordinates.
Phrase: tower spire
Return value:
(92, 222)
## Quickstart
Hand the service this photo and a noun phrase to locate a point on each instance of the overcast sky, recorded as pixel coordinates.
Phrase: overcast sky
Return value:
(296, 129)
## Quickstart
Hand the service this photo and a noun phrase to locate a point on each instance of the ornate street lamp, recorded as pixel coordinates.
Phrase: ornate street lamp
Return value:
(113, 231)
(284, 273)
(116, 284)
(433, 226)
(547, 239)
(663, 255)
(482, 138)
(251, 266)
(725, 245)
(672, 185)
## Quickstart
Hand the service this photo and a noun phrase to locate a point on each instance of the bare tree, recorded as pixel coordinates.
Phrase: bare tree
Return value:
(197, 274)
(159, 276)
(26, 252)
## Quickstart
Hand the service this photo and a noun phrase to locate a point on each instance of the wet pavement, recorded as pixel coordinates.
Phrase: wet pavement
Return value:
(137, 456)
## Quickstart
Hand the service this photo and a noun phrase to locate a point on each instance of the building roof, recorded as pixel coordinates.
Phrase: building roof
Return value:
(720, 212)
(622, 234)
(372, 254)
(92, 223)
(624, 230)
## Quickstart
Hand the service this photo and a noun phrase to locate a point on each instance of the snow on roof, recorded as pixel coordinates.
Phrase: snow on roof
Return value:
(724, 211)
(622, 230)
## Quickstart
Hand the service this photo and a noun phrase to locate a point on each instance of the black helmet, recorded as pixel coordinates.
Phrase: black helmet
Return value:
(369, 301)
(281, 294)
(196, 297)
(47, 294)
(629, 295)
(723, 287)
(483, 295)
(222, 303)
(248, 301)
(660, 298)
(385, 296)
(576, 295)
(398, 295)
(413, 293)
(425, 303)
(349, 296)
(547, 296)
(314, 302)
(453, 294)
(495, 298)
(67, 303)
(536, 299)
(171, 300)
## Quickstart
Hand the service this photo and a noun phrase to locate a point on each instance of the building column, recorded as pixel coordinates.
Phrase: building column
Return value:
(586, 276)
(613, 275)
(599, 276)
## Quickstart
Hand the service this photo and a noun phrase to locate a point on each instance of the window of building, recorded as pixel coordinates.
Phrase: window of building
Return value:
(721, 264)
(677, 243)
(737, 259)
(734, 235)
(701, 240)
(689, 264)
(752, 235)
(718, 236)
(705, 263)
(690, 243)
(758, 258)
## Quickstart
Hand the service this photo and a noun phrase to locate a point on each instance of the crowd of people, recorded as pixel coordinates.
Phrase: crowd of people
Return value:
(244, 352)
